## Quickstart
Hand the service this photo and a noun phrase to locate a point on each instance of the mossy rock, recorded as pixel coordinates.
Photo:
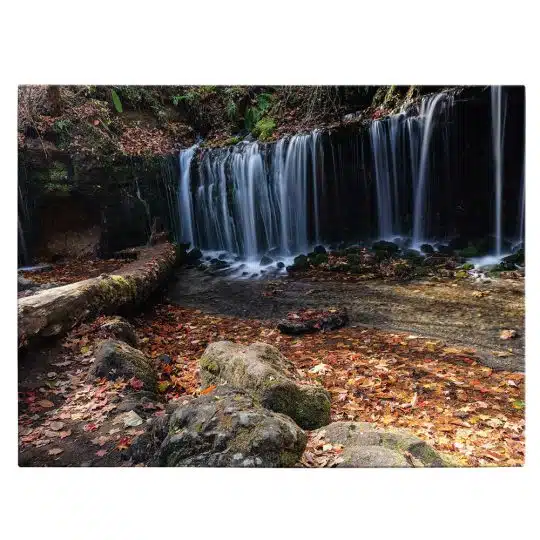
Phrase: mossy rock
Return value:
(354, 260)
(229, 428)
(367, 445)
(264, 371)
(469, 252)
(319, 250)
(467, 266)
(301, 262)
(427, 248)
(515, 258)
(119, 328)
(384, 245)
(318, 258)
(115, 359)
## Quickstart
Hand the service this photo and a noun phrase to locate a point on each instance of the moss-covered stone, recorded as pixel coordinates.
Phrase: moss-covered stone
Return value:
(367, 445)
(115, 359)
(229, 428)
(264, 371)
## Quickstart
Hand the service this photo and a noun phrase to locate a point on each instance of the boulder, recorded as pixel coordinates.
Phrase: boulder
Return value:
(323, 321)
(266, 260)
(319, 250)
(119, 328)
(300, 263)
(384, 245)
(24, 284)
(264, 371)
(365, 445)
(427, 248)
(280, 264)
(195, 254)
(229, 428)
(317, 259)
(469, 252)
(115, 359)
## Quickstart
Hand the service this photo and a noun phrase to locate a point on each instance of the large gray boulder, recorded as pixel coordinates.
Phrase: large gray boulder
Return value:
(264, 371)
(365, 445)
(229, 428)
(115, 359)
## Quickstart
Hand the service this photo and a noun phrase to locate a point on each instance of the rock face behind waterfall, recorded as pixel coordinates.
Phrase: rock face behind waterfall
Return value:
(263, 370)
(228, 428)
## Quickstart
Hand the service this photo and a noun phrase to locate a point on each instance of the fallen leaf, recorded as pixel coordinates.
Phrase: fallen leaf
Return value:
(211, 388)
(55, 451)
(45, 403)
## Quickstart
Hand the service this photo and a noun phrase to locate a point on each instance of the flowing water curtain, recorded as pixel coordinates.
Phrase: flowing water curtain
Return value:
(498, 117)
(430, 108)
(317, 180)
(185, 199)
(381, 165)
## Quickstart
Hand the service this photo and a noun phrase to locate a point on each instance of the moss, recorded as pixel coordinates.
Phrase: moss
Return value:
(264, 128)
(232, 140)
(209, 365)
(469, 251)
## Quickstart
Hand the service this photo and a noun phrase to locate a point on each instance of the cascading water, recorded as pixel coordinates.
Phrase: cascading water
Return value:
(185, 203)
(497, 134)
(429, 107)
(287, 196)
(382, 167)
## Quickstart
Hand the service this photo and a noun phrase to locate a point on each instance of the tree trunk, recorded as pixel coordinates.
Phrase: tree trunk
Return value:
(54, 312)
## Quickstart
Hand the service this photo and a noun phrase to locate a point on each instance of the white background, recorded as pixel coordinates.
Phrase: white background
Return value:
(272, 42)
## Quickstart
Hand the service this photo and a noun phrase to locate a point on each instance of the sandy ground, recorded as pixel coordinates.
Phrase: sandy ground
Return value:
(460, 312)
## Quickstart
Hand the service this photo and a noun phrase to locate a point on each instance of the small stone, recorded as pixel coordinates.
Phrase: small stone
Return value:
(132, 419)
(508, 334)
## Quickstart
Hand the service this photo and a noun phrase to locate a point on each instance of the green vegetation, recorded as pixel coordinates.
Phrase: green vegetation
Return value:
(264, 128)
(116, 101)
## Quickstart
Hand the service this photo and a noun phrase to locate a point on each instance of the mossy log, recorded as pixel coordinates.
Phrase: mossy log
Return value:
(54, 312)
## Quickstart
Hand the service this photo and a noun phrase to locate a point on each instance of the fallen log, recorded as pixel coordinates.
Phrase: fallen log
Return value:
(55, 311)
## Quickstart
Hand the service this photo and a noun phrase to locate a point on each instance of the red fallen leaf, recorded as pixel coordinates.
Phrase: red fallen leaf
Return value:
(123, 443)
(135, 383)
(96, 122)
(101, 453)
(64, 434)
(469, 361)
(90, 427)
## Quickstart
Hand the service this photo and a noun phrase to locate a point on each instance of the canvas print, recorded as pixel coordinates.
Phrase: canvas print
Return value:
(271, 276)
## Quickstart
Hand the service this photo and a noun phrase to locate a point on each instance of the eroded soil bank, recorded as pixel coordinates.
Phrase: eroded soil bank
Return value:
(460, 312)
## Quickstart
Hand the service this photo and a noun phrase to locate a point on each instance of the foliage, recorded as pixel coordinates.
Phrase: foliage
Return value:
(256, 112)
(116, 101)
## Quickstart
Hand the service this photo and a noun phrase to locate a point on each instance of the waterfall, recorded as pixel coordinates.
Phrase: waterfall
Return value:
(406, 174)
(427, 119)
(316, 150)
(497, 136)
(521, 218)
(381, 165)
(185, 202)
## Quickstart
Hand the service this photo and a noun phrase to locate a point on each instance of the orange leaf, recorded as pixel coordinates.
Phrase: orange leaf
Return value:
(208, 390)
